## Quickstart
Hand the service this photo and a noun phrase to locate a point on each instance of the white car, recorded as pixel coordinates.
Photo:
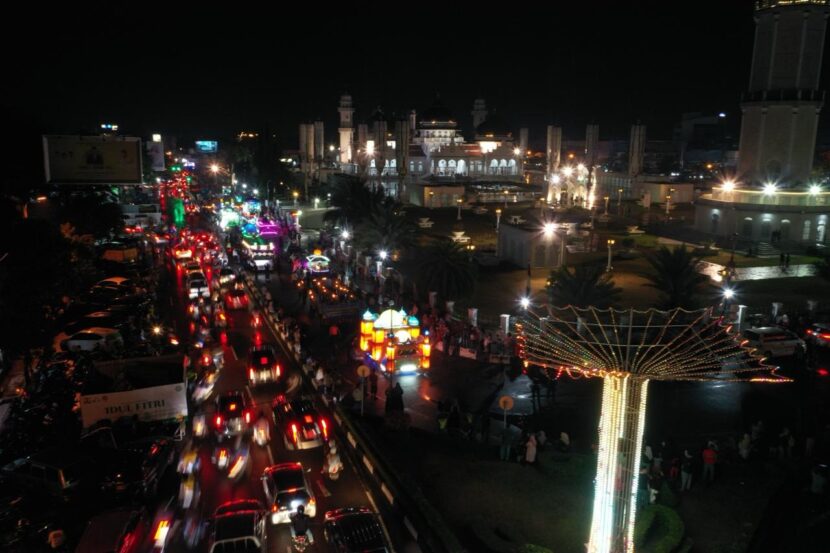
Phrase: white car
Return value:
(773, 341)
(197, 286)
(94, 339)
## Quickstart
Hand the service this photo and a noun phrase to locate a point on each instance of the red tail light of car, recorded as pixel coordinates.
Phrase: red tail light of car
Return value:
(218, 421)
(279, 371)
(825, 336)
(325, 426)
(294, 432)
(247, 417)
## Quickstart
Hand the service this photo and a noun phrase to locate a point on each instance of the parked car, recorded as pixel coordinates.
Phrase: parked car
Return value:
(774, 341)
(108, 318)
(121, 530)
(286, 488)
(54, 473)
(301, 425)
(819, 334)
(238, 527)
(94, 339)
(355, 530)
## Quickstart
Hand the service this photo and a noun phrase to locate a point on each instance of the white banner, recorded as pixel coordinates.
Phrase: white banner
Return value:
(150, 404)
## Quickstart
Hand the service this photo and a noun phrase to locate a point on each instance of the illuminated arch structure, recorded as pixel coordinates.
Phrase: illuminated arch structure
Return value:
(627, 349)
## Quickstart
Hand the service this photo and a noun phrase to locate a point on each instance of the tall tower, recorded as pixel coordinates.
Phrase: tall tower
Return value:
(346, 129)
(319, 141)
(479, 113)
(782, 106)
(591, 140)
(636, 149)
(554, 157)
(523, 140)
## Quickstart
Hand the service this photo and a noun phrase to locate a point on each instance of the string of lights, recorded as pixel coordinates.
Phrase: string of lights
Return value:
(627, 349)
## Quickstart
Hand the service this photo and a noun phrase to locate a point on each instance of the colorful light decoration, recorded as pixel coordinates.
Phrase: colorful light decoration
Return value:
(627, 349)
(393, 341)
(317, 264)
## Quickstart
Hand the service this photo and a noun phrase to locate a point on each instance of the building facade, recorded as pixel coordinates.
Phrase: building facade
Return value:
(772, 197)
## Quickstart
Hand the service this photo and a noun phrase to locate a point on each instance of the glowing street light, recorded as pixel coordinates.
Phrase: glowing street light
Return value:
(524, 302)
(382, 254)
(549, 229)
(607, 199)
(316, 202)
(459, 201)
(498, 218)
(815, 189)
(214, 168)
(728, 293)
(517, 151)
(619, 201)
(345, 235)
(505, 199)
(296, 196)
(610, 243)
(568, 171)
(770, 189)
(728, 186)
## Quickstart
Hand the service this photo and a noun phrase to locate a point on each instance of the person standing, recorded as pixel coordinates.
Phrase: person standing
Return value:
(530, 450)
(686, 467)
(373, 384)
(710, 457)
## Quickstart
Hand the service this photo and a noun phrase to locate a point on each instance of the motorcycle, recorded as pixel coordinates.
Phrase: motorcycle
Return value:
(300, 543)
(189, 492)
(261, 433)
(233, 463)
(333, 466)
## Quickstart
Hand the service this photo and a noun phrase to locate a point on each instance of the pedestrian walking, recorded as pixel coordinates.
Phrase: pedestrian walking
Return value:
(686, 467)
(710, 457)
(781, 259)
(655, 484)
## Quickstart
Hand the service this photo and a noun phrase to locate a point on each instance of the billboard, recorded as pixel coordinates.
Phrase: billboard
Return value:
(155, 151)
(207, 146)
(92, 159)
(148, 404)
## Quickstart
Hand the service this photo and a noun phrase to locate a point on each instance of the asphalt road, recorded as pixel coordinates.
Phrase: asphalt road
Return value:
(216, 488)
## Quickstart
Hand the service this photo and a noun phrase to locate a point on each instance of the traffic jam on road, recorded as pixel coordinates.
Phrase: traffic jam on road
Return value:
(202, 437)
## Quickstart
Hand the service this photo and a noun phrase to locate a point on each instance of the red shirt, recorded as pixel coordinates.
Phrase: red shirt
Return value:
(710, 456)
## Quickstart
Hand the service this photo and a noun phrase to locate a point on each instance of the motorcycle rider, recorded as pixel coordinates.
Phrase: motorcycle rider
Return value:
(189, 491)
(301, 524)
(262, 428)
(333, 465)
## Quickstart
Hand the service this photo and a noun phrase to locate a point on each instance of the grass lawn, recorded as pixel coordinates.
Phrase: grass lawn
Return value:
(471, 488)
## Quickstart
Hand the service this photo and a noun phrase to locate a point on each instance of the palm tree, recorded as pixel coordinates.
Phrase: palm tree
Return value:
(823, 268)
(445, 267)
(385, 229)
(353, 201)
(584, 286)
(675, 274)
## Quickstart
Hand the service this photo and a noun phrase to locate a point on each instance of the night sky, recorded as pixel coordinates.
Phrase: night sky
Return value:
(208, 72)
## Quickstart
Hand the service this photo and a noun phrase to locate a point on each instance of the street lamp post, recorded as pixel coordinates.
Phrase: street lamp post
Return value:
(607, 199)
(498, 218)
(296, 196)
(505, 199)
(316, 202)
(431, 198)
(459, 201)
(619, 201)
(608, 266)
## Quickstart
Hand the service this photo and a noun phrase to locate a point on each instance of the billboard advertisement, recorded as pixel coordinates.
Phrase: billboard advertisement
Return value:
(158, 403)
(207, 146)
(155, 151)
(92, 159)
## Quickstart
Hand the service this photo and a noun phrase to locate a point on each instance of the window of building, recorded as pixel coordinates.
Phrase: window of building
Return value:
(746, 228)
(805, 231)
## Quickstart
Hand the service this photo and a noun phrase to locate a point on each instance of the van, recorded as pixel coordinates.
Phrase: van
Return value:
(773, 341)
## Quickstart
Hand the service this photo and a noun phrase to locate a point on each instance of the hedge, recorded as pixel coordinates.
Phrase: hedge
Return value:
(659, 529)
